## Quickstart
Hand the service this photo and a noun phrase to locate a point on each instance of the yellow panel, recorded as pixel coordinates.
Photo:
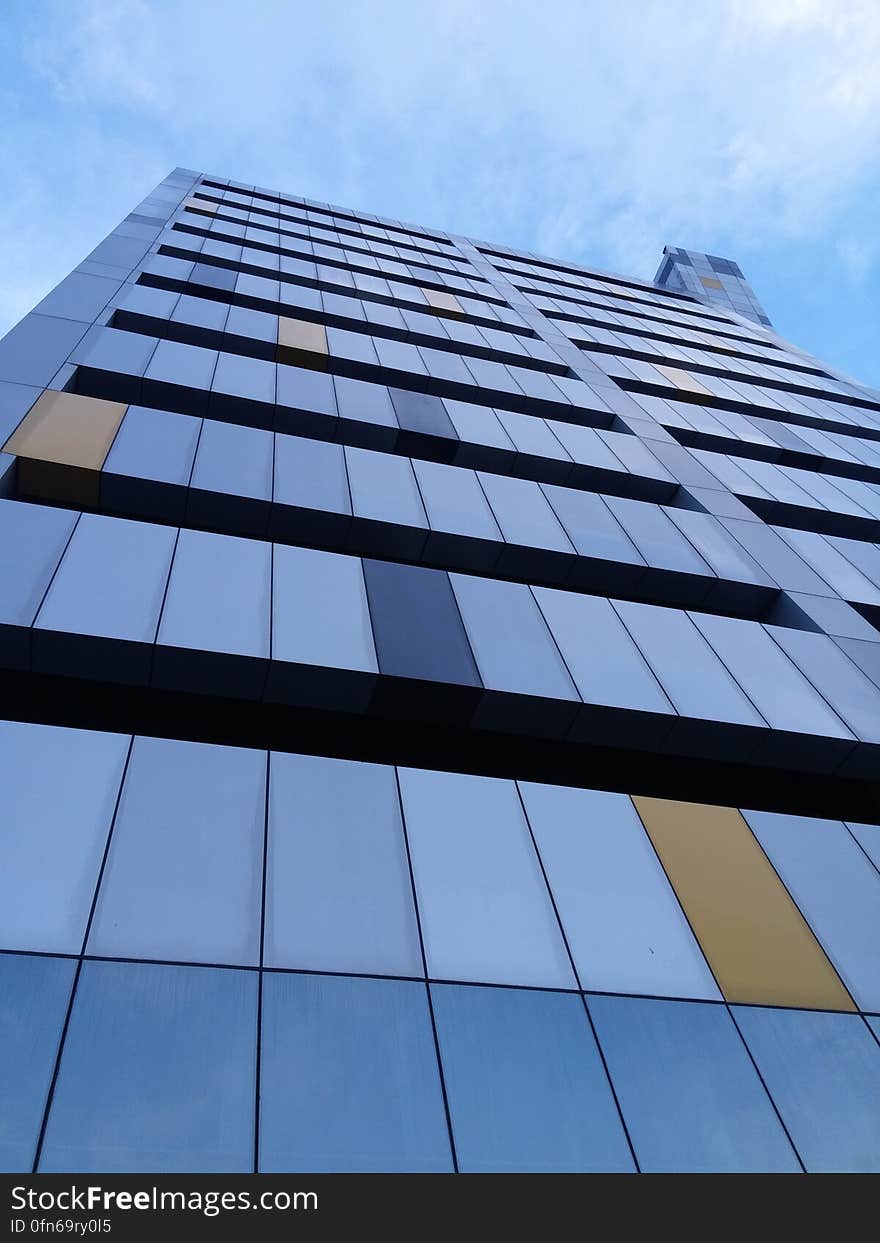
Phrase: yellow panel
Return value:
(711, 283)
(755, 939)
(683, 380)
(443, 303)
(302, 343)
(68, 429)
(61, 445)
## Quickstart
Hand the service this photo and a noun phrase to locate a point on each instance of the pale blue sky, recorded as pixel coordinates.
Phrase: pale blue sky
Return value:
(586, 130)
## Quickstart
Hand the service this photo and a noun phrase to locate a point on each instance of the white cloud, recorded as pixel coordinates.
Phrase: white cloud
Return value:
(574, 128)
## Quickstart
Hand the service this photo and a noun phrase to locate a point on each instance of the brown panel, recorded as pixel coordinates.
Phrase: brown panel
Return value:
(443, 303)
(301, 343)
(683, 380)
(711, 283)
(62, 443)
(755, 939)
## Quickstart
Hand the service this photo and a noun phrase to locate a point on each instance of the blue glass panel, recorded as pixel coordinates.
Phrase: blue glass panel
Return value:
(319, 610)
(689, 671)
(823, 1072)
(59, 790)
(235, 460)
(690, 1096)
(154, 444)
(218, 595)
(455, 501)
(868, 837)
(184, 871)
(853, 696)
(772, 681)
(367, 403)
(519, 656)
(526, 1087)
(157, 1073)
(591, 526)
(486, 913)
(622, 920)
(524, 514)
(33, 1002)
(837, 890)
(302, 389)
(384, 487)
(32, 539)
(251, 379)
(338, 890)
(349, 1078)
(111, 580)
(604, 662)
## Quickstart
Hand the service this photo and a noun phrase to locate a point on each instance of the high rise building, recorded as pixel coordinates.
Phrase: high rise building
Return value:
(442, 699)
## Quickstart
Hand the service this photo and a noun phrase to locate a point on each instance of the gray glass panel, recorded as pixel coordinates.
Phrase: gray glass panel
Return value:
(349, 1078)
(154, 444)
(319, 610)
(33, 1002)
(183, 875)
(455, 501)
(111, 580)
(421, 412)
(689, 671)
(417, 625)
(520, 655)
(157, 1073)
(233, 459)
(823, 1072)
(486, 913)
(384, 487)
(218, 595)
(771, 680)
(32, 539)
(526, 1087)
(604, 662)
(690, 1096)
(338, 891)
(523, 513)
(59, 790)
(623, 923)
(311, 474)
(837, 890)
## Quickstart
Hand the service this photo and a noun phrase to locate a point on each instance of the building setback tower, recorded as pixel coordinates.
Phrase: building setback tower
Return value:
(442, 712)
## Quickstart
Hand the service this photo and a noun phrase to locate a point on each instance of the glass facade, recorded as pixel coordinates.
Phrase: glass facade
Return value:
(442, 713)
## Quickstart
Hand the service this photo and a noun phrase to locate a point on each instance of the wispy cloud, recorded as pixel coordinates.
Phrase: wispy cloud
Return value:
(581, 129)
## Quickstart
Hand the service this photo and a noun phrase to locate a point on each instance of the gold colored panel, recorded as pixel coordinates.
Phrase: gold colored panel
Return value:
(683, 380)
(67, 429)
(755, 939)
(302, 343)
(711, 283)
(443, 303)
